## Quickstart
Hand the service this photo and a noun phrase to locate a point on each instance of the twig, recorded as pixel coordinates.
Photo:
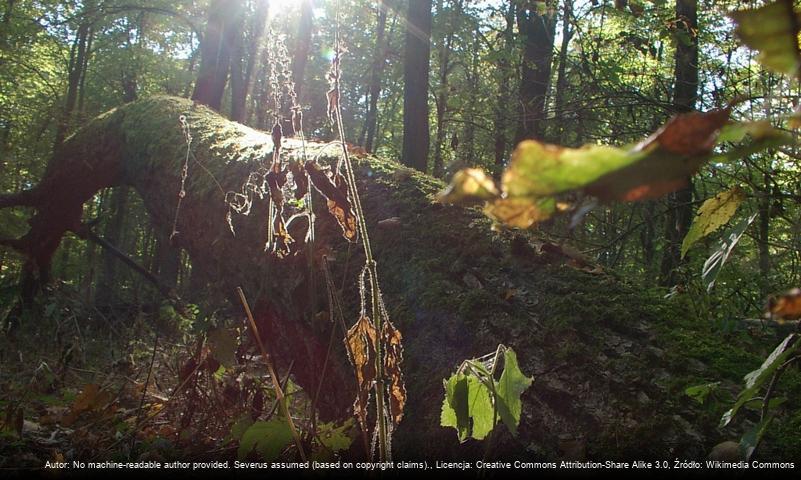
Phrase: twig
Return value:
(279, 393)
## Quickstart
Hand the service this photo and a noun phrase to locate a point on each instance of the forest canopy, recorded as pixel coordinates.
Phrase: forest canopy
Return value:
(333, 230)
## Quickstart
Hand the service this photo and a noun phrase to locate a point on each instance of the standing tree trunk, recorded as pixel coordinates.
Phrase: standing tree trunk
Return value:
(241, 81)
(444, 70)
(301, 57)
(537, 31)
(416, 136)
(215, 52)
(561, 76)
(504, 86)
(377, 73)
(75, 71)
(685, 93)
(114, 233)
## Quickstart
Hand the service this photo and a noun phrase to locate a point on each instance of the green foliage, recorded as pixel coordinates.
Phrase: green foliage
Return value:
(755, 379)
(773, 31)
(716, 261)
(268, 439)
(474, 399)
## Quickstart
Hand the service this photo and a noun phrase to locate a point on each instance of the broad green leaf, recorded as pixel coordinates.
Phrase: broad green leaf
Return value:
(755, 379)
(751, 438)
(716, 261)
(455, 407)
(773, 31)
(713, 214)
(510, 387)
(268, 438)
(539, 170)
(480, 408)
(469, 186)
(699, 393)
(336, 438)
(240, 427)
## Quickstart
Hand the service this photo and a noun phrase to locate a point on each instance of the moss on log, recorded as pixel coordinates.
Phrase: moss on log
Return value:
(606, 383)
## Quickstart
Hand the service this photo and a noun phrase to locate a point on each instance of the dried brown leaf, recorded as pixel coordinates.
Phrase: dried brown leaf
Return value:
(787, 306)
(361, 340)
(336, 193)
(393, 356)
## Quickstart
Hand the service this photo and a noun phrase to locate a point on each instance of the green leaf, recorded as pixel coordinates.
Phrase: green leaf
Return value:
(510, 387)
(455, 407)
(751, 438)
(755, 379)
(268, 438)
(716, 261)
(240, 427)
(480, 408)
(713, 214)
(772, 30)
(539, 170)
(699, 393)
(336, 438)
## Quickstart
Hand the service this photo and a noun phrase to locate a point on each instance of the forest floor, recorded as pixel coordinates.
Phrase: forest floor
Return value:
(138, 385)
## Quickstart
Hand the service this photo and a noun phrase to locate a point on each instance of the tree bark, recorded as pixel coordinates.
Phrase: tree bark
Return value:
(442, 88)
(241, 82)
(504, 105)
(680, 207)
(215, 52)
(376, 75)
(416, 137)
(537, 33)
(596, 362)
(301, 56)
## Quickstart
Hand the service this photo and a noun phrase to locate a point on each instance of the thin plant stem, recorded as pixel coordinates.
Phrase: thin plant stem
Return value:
(279, 393)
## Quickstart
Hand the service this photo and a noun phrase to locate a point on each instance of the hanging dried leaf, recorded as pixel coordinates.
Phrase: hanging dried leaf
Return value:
(393, 356)
(333, 103)
(300, 179)
(277, 134)
(337, 196)
(361, 339)
(787, 306)
(281, 238)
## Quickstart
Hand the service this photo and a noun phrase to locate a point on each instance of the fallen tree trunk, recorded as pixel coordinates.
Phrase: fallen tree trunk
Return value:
(455, 288)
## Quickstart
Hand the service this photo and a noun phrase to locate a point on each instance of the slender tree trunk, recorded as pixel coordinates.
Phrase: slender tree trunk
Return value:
(763, 237)
(504, 105)
(416, 136)
(75, 72)
(238, 89)
(468, 142)
(241, 89)
(215, 52)
(377, 73)
(561, 76)
(114, 233)
(444, 70)
(537, 30)
(301, 57)
(680, 208)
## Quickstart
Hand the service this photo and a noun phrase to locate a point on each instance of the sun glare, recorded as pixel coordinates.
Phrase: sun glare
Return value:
(282, 7)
